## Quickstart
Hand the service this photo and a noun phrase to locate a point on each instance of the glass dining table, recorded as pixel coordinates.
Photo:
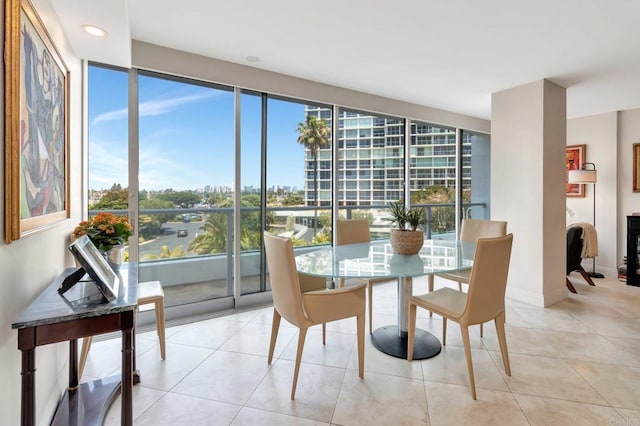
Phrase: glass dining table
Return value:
(377, 260)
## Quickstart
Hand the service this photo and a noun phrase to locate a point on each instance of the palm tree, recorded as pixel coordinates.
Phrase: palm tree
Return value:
(314, 133)
(214, 238)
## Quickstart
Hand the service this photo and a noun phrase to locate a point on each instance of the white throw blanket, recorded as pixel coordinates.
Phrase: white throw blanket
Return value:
(589, 239)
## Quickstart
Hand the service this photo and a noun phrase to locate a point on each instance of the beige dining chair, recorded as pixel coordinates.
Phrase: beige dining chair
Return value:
(304, 301)
(149, 292)
(354, 231)
(471, 230)
(483, 302)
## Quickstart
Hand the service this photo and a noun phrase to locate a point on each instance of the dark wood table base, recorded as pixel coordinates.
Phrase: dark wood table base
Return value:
(88, 404)
(54, 318)
(387, 339)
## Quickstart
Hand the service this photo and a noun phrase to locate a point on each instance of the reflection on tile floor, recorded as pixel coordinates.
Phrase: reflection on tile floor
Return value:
(577, 362)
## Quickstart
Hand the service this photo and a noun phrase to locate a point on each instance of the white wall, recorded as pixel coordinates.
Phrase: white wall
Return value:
(29, 264)
(599, 133)
(528, 138)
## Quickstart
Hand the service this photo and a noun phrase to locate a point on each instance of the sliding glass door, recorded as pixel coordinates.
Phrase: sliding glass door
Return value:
(186, 179)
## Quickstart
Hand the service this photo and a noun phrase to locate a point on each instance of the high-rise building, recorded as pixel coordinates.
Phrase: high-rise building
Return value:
(371, 166)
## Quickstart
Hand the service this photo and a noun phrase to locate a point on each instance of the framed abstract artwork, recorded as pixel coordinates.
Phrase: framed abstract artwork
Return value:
(574, 161)
(36, 125)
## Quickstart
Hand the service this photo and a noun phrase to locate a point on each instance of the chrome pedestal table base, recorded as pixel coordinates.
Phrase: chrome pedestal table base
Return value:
(392, 339)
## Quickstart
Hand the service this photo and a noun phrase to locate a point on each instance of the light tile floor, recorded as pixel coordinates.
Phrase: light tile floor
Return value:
(575, 363)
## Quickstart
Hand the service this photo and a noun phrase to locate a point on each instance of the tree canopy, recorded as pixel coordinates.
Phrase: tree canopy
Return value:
(293, 199)
(115, 198)
(314, 133)
(184, 199)
(442, 218)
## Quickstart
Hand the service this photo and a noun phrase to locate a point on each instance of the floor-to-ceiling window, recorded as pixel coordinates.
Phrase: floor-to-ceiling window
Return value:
(189, 149)
(370, 166)
(298, 171)
(186, 179)
(433, 174)
(108, 165)
(476, 169)
(441, 159)
(251, 171)
(285, 178)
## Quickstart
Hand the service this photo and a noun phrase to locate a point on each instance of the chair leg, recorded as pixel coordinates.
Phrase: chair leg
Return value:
(502, 339)
(324, 333)
(301, 337)
(370, 295)
(444, 331)
(411, 333)
(84, 353)
(459, 286)
(275, 325)
(160, 326)
(570, 286)
(586, 276)
(360, 331)
(481, 330)
(467, 351)
(430, 280)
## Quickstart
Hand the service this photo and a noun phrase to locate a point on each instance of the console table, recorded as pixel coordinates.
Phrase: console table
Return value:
(80, 312)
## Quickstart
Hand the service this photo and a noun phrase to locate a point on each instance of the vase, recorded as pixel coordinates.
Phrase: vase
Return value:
(115, 256)
(406, 242)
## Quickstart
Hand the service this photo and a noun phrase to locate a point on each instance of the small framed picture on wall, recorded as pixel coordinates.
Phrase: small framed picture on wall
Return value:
(574, 161)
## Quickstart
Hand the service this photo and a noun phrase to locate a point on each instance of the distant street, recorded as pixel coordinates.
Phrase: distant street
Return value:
(171, 239)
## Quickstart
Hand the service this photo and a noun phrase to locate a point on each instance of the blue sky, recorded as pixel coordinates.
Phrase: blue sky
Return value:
(186, 135)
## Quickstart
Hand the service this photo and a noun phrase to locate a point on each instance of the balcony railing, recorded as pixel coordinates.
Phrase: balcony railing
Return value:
(218, 267)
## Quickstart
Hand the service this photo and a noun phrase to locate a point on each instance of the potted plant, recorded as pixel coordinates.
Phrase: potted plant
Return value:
(109, 233)
(406, 238)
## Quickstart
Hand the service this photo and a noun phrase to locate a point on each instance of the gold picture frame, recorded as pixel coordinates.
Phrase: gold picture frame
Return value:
(574, 161)
(36, 125)
(636, 167)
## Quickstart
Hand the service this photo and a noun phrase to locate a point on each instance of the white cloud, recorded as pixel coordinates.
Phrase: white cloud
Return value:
(111, 115)
(155, 107)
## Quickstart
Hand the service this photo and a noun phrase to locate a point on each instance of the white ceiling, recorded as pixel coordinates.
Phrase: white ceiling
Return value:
(448, 54)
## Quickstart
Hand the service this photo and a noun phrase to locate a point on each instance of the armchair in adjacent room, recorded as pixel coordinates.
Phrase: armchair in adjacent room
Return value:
(574, 256)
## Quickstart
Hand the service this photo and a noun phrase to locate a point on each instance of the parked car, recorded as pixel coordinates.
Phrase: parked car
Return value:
(182, 233)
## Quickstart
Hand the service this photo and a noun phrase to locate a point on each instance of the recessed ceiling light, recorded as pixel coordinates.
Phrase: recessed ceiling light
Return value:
(253, 58)
(93, 30)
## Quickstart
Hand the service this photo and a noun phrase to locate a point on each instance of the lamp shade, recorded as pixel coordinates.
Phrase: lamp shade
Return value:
(583, 176)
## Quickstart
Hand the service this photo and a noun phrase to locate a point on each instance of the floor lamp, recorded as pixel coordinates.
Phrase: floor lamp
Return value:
(582, 176)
